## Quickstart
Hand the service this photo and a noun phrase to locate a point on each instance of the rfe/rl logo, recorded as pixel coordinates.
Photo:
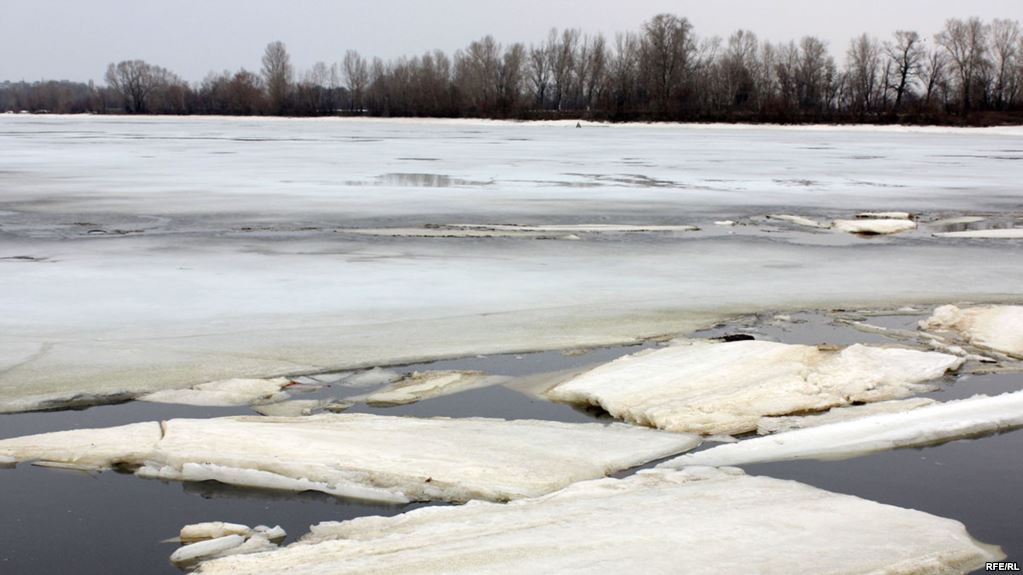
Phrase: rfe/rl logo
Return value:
(1001, 566)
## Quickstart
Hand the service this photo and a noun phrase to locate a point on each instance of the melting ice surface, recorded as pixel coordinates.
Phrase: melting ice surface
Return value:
(139, 254)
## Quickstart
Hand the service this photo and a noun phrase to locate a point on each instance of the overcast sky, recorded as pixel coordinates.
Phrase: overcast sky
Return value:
(76, 39)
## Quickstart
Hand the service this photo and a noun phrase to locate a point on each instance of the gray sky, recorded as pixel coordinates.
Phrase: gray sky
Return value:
(76, 39)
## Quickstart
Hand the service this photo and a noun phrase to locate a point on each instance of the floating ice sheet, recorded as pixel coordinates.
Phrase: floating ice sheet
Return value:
(418, 386)
(694, 521)
(976, 416)
(798, 220)
(768, 425)
(391, 459)
(725, 388)
(882, 226)
(997, 327)
(224, 393)
(992, 234)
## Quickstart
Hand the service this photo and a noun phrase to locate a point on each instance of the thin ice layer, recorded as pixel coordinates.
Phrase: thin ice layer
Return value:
(656, 522)
(977, 416)
(392, 459)
(725, 388)
(770, 425)
(997, 327)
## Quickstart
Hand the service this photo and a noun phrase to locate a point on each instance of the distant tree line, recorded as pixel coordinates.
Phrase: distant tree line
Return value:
(970, 71)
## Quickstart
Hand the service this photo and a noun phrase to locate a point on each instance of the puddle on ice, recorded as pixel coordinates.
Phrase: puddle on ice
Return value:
(972, 481)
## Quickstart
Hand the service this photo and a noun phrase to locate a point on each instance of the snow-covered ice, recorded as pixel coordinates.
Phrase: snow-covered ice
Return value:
(725, 388)
(224, 393)
(390, 459)
(994, 327)
(768, 425)
(976, 416)
(657, 522)
(170, 252)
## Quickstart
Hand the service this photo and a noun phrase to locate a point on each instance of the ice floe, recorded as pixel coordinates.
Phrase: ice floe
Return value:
(884, 215)
(881, 226)
(232, 542)
(370, 378)
(992, 234)
(224, 393)
(212, 530)
(725, 388)
(693, 521)
(997, 327)
(768, 425)
(976, 416)
(389, 459)
(798, 220)
(418, 386)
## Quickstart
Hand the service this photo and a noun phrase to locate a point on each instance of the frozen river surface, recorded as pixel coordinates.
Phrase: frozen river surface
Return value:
(146, 253)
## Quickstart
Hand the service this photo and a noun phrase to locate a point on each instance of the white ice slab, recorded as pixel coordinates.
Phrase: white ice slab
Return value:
(798, 220)
(391, 459)
(874, 227)
(997, 327)
(212, 530)
(992, 234)
(96, 448)
(224, 393)
(884, 215)
(418, 386)
(697, 521)
(768, 425)
(725, 388)
(979, 415)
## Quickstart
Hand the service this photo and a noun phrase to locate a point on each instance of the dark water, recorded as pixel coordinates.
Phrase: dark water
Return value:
(60, 521)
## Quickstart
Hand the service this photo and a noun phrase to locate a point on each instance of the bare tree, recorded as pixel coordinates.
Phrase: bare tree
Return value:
(1005, 41)
(356, 73)
(965, 42)
(541, 60)
(563, 65)
(906, 54)
(933, 74)
(278, 75)
(667, 55)
(740, 69)
(139, 83)
(864, 63)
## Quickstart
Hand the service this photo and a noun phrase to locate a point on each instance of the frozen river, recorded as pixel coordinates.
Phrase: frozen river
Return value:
(144, 253)
(140, 254)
